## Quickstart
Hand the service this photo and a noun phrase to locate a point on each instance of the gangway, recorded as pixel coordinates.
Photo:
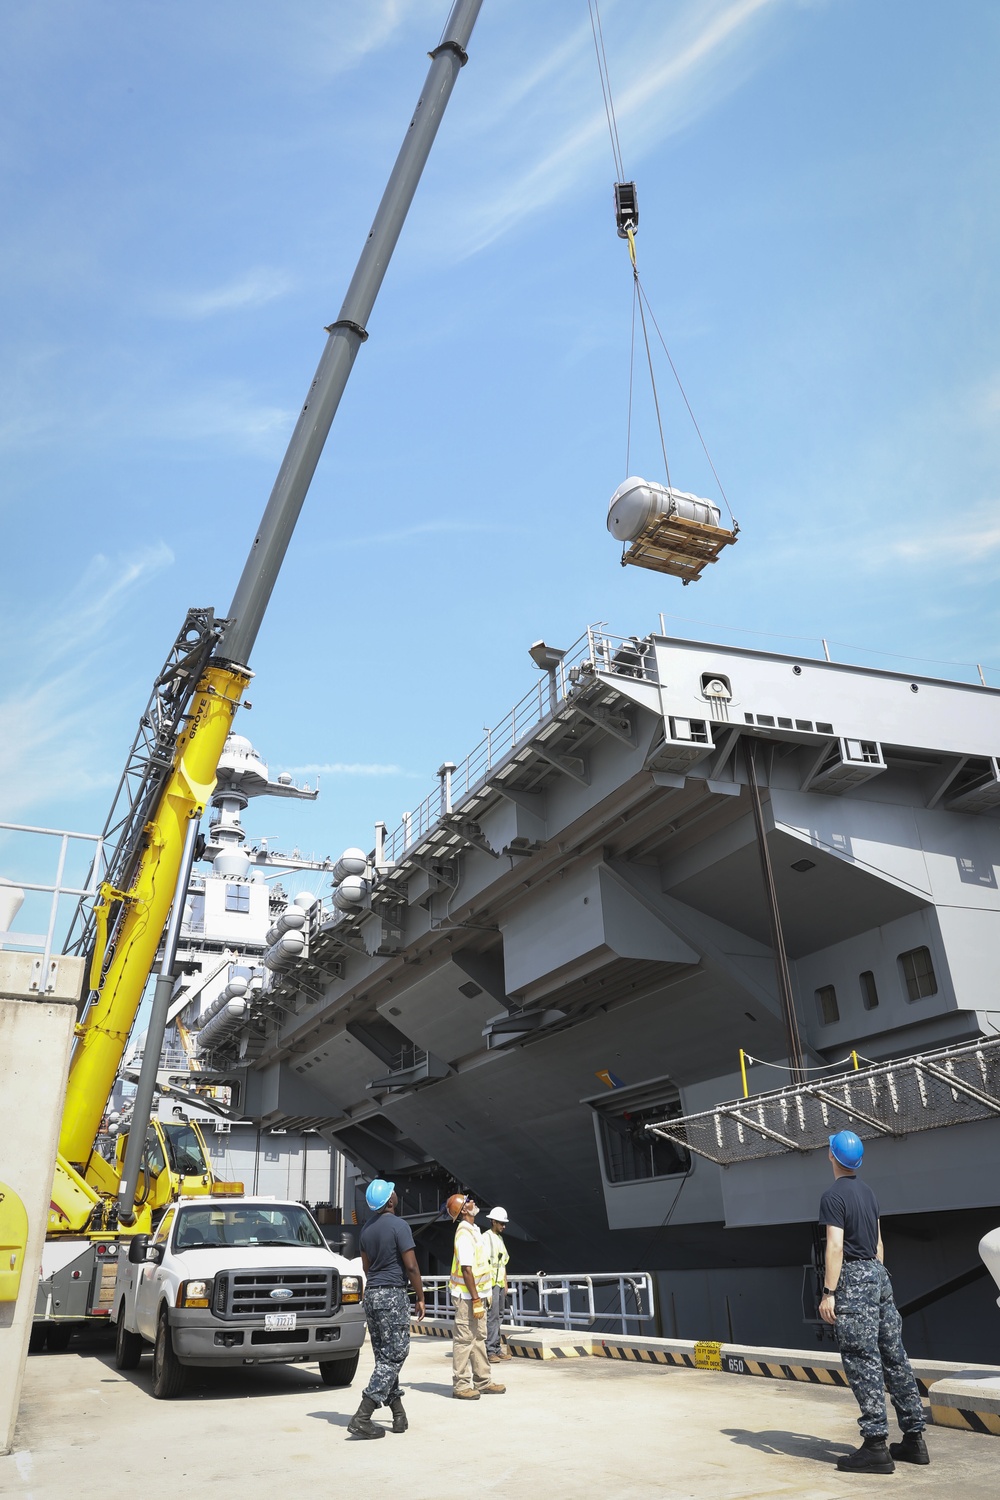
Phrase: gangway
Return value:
(949, 1086)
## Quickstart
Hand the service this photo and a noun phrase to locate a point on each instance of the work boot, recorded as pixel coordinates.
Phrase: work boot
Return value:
(361, 1424)
(465, 1393)
(912, 1450)
(493, 1389)
(871, 1458)
(399, 1422)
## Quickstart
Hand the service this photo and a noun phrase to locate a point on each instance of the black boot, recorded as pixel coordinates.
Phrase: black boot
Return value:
(399, 1422)
(871, 1458)
(361, 1424)
(912, 1450)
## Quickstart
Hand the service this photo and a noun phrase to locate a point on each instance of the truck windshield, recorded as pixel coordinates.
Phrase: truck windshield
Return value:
(184, 1150)
(246, 1225)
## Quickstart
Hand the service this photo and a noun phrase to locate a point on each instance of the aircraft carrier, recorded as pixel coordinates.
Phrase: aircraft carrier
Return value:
(573, 937)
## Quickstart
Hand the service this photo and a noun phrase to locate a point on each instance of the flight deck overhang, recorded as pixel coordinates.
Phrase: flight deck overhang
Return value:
(582, 892)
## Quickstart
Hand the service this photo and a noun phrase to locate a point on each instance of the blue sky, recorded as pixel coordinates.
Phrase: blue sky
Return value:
(186, 190)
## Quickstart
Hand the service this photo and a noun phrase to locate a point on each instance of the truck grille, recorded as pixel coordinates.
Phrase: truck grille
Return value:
(247, 1294)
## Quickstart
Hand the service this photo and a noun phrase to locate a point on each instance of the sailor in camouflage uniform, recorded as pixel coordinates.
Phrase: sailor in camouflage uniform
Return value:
(389, 1260)
(857, 1300)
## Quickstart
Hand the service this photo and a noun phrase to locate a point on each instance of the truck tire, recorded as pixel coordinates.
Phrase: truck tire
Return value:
(169, 1374)
(128, 1346)
(36, 1338)
(57, 1338)
(339, 1371)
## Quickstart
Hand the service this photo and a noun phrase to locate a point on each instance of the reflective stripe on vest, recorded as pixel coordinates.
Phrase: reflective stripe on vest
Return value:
(480, 1264)
(498, 1256)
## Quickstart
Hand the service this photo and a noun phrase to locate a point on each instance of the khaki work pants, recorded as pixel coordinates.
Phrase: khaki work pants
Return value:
(471, 1367)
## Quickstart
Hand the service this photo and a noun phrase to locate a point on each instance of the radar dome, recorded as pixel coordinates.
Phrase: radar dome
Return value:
(231, 863)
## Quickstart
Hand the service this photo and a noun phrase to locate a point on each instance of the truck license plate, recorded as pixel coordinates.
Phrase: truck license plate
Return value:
(279, 1322)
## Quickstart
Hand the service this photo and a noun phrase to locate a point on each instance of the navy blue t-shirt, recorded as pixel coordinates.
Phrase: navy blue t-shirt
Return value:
(851, 1205)
(384, 1239)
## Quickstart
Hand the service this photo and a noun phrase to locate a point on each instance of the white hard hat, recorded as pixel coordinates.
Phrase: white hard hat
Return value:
(498, 1215)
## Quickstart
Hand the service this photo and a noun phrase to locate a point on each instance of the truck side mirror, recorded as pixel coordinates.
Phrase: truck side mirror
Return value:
(137, 1246)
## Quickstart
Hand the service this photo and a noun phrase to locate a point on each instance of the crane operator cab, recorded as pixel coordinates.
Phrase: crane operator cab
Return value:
(174, 1165)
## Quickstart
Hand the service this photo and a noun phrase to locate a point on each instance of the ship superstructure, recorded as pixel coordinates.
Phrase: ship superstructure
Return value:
(570, 939)
(231, 908)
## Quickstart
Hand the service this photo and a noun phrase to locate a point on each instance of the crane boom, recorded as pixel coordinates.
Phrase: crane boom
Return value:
(84, 1179)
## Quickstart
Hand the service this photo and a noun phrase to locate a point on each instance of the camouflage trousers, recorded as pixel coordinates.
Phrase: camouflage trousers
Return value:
(387, 1309)
(870, 1335)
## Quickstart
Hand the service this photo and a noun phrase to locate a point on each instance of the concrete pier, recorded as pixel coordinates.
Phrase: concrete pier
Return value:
(565, 1428)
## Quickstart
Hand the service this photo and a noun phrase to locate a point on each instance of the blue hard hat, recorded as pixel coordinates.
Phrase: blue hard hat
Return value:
(847, 1148)
(378, 1193)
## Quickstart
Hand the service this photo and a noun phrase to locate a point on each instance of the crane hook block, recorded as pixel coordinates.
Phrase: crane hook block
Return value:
(626, 208)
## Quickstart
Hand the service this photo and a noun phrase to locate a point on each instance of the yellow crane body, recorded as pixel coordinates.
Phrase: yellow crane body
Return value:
(118, 975)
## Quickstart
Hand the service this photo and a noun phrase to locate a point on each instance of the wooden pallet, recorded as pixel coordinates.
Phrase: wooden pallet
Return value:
(673, 544)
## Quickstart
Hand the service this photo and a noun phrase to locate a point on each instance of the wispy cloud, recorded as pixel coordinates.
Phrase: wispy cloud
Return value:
(973, 540)
(104, 588)
(678, 68)
(350, 768)
(227, 413)
(253, 289)
(50, 734)
(424, 528)
(327, 41)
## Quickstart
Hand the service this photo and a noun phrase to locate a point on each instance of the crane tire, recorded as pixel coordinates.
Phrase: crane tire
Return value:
(169, 1375)
(128, 1346)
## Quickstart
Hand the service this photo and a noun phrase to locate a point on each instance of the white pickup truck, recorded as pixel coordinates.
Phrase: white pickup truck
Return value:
(237, 1281)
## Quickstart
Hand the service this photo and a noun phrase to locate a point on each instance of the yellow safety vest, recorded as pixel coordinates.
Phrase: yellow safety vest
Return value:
(480, 1265)
(498, 1255)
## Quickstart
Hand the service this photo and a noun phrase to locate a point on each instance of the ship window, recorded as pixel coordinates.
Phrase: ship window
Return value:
(918, 973)
(869, 992)
(238, 898)
(217, 1148)
(272, 1155)
(826, 999)
(630, 1155)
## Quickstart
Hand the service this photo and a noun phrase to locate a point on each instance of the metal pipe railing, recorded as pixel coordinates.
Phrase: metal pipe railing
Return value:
(603, 652)
(622, 1298)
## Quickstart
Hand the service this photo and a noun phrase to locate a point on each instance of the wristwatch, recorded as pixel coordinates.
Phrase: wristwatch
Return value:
(829, 1291)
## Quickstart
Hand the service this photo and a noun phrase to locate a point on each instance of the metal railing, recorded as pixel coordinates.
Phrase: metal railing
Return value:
(623, 1299)
(56, 889)
(617, 655)
(951, 1086)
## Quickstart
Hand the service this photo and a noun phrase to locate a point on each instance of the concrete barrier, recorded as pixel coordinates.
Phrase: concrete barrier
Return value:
(959, 1397)
(970, 1400)
(36, 1034)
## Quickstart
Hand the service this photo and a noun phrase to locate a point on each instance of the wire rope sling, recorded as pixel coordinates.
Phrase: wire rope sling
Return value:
(660, 527)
